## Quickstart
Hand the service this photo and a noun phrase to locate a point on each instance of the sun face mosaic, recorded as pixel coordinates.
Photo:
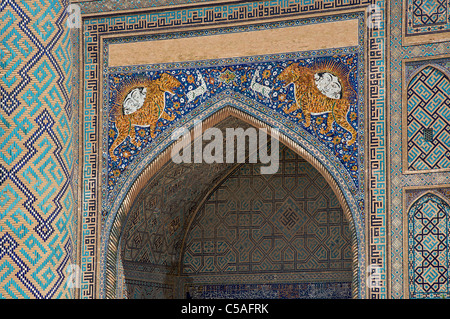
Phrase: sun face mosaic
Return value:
(319, 94)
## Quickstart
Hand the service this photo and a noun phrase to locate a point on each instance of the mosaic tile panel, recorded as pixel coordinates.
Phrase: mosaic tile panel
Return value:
(37, 195)
(339, 137)
(414, 194)
(428, 108)
(271, 291)
(95, 28)
(230, 11)
(235, 78)
(427, 16)
(428, 54)
(290, 221)
(412, 67)
(428, 247)
(154, 231)
(376, 175)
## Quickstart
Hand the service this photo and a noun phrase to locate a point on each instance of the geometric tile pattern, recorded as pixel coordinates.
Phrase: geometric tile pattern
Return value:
(327, 290)
(95, 28)
(428, 244)
(156, 224)
(428, 111)
(289, 222)
(246, 239)
(292, 6)
(9, 47)
(37, 199)
(145, 290)
(376, 175)
(401, 52)
(426, 12)
(425, 16)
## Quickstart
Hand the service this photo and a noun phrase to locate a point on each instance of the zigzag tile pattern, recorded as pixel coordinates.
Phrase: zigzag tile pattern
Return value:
(36, 162)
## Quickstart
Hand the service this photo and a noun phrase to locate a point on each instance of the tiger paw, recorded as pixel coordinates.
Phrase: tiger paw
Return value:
(113, 157)
(135, 142)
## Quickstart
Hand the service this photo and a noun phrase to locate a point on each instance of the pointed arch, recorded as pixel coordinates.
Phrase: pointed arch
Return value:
(428, 222)
(307, 150)
(425, 118)
(425, 66)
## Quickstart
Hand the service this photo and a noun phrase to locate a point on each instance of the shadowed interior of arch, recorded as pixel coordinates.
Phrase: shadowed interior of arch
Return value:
(223, 230)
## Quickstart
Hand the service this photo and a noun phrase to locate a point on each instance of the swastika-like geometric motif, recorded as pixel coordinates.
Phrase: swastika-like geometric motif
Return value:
(428, 108)
(428, 245)
(289, 218)
(37, 198)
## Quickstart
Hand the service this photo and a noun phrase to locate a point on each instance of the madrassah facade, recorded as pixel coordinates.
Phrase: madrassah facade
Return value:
(118, 179)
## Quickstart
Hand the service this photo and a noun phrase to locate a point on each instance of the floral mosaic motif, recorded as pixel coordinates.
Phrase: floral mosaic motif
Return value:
(258, 81)
(289, 226)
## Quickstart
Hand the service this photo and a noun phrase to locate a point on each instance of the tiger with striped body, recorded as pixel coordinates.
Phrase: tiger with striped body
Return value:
(152, 109)
(311, 101)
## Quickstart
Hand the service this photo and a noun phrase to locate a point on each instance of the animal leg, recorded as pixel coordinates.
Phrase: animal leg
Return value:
(119, 139)
(133, 137)
(293, 107)
(341, 119)
(330, 121)
(167, 117)
(152, 130)
(307, 118)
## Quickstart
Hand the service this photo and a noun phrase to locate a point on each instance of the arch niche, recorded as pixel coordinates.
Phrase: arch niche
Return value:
(232, 110)
(427, 102)
(428, 246)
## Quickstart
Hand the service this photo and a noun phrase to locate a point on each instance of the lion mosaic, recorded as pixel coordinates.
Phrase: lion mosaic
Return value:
(312, 101)
(143, 105)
